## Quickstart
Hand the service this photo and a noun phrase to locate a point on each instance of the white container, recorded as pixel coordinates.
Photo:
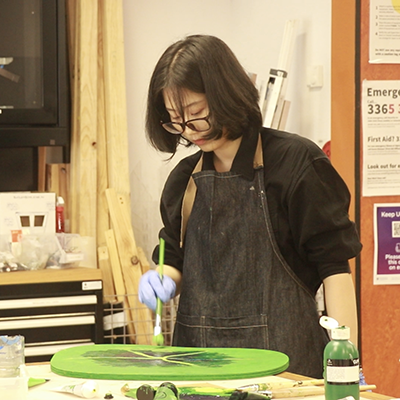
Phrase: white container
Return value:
(15, 388)
(13, 376)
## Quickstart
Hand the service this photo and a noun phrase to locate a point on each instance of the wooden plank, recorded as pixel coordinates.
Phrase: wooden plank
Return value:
(125, 206)
(118, 279)
(130, 264)
(124, 235)
(108, 280)
(103, 220)
(73, 20)
(87, 180)
(144, 264)
(140, 314)
(115, 96)
(52, 178)
(42, 169)
(138, 311)
(84, 121)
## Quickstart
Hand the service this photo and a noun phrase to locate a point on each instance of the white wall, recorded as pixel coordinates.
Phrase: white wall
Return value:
(254, 31)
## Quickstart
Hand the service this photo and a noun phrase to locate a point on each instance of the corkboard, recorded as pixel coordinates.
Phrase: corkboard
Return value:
(380, 304)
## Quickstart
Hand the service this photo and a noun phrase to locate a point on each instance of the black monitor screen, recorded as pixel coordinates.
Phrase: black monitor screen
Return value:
(28, 62)
(21, 83)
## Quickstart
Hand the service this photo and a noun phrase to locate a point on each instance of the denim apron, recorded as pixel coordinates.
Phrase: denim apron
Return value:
(237, 289)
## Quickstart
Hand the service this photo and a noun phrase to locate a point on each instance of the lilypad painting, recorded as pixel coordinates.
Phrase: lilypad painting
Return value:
(137, 362)
(130, 357)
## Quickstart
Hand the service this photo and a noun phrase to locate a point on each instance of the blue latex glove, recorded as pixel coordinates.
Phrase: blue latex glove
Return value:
(362, 377)
(151, 287)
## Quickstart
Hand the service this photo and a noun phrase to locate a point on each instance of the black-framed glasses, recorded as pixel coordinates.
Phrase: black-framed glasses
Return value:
(197, 125)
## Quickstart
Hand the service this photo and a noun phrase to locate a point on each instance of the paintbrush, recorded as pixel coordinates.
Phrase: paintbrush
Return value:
(306, 391)
(259, 387)
(287, 393)
(158, 338)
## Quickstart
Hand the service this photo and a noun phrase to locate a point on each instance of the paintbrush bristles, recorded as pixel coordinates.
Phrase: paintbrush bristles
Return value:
(158, 339)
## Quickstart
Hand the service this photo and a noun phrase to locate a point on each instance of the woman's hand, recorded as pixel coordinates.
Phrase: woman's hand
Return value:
(151, 287)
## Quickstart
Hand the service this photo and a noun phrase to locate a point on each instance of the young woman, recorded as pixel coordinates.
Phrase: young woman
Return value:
(254, 221)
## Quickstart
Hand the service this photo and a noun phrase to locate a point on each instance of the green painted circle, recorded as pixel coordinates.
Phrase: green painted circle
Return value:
(137, 362)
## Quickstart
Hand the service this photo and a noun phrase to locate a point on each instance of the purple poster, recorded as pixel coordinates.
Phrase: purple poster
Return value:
(387, 244)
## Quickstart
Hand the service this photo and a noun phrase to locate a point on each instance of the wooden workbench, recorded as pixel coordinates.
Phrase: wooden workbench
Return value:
(45, 392)
(364, 395)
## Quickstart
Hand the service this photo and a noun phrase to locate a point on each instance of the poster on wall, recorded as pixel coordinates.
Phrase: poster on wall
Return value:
(384, 31)
(381, 138)
(387, 244)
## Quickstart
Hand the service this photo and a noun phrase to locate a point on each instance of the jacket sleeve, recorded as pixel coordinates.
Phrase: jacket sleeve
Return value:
(318, 215)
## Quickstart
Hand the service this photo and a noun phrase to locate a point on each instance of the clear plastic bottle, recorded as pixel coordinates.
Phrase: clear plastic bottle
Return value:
(341, 366)
(13, 376)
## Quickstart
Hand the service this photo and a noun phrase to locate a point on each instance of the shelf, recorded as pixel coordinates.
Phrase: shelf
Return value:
(50, 275)
(52, 308)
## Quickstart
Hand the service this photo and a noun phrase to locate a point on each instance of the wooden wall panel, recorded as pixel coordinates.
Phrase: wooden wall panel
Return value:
(342, 96)
(380, 304)
(343, 92)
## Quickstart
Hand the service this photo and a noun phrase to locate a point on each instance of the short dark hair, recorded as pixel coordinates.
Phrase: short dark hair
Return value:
(202, 64)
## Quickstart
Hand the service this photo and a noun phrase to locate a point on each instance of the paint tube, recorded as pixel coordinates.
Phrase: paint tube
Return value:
(60, 223)
(166, 391)
(86, 389)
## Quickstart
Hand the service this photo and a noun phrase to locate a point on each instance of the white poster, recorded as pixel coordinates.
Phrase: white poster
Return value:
(384, 31)
(381, 138)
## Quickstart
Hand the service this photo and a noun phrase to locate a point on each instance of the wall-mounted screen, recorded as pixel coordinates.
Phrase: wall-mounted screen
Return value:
(34, 88)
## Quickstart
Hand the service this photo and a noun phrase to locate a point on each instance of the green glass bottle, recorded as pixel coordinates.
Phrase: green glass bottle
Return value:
(341, 366)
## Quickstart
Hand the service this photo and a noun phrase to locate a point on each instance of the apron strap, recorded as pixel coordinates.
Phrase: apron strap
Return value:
(188, 199)
(258, 161)
(191, 189)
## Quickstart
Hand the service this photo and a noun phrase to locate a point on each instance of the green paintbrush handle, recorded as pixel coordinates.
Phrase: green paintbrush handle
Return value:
(161, 272)
(161, 252)
(158, 338)
(159, 307)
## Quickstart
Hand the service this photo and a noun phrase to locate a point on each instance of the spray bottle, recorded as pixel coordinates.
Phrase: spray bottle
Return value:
(341, 363)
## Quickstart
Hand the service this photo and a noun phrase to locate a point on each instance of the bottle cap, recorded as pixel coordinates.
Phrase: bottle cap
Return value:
(341, 333)
(337, 332)
(328, 323)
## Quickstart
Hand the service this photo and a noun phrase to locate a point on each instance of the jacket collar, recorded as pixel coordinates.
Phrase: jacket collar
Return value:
(245, 161)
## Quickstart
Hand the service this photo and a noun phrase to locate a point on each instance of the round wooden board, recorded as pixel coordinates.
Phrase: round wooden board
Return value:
(137, 362)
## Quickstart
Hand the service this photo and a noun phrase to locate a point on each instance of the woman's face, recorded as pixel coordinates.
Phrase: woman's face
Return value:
(194, 106)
